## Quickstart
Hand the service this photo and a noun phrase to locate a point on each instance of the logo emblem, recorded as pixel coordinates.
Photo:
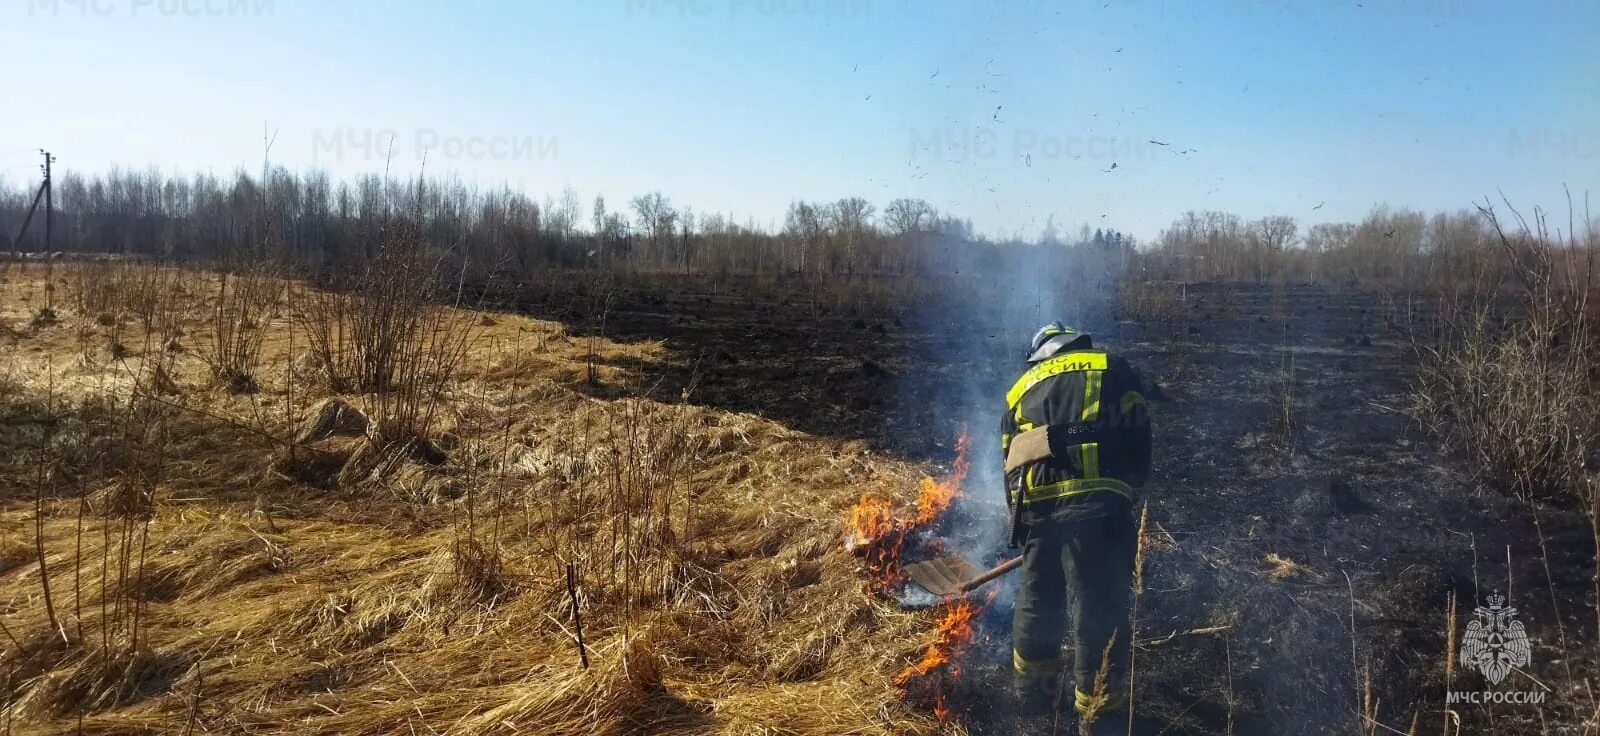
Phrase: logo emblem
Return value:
(1495, 641)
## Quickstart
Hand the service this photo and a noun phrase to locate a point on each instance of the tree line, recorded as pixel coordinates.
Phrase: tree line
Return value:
(320, 224)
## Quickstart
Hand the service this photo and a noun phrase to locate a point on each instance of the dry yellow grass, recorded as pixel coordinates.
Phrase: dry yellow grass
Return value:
(1278, 568)
(411, 597)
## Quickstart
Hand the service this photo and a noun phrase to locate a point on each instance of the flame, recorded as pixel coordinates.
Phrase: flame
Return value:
(871, 519)
(877, 533)
(878, 527)
(951, 633)
(954, 629)
(936, 495)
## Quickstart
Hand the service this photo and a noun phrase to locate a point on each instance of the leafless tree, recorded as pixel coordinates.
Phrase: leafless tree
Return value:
(852, 215)
(904, 216)
(656, 218)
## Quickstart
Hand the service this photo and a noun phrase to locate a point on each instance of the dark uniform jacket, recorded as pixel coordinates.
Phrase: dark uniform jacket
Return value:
(1099, 429)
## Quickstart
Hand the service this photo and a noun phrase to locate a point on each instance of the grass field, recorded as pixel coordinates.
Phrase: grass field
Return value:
(182, 556)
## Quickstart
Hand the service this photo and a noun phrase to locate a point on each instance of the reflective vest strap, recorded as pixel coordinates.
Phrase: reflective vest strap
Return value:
(1089, 452)
(1075, 486)
(1091, 395)
(1089, 456)
(1023, 424)
(1067, 363)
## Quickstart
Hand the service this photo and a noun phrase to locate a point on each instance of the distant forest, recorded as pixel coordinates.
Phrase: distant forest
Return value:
(318, 224)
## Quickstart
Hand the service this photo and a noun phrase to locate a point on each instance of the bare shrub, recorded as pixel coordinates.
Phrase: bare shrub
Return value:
(324, 319)
(424, 367)
(388, 332)
(93, 640)
(624, 517)
(96, 288)
(1515, 384)
(245, 300)
(154, 298)
(106, 291)
(1511, 379)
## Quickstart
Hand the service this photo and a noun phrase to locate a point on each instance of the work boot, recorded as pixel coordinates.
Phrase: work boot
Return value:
(1037, 695)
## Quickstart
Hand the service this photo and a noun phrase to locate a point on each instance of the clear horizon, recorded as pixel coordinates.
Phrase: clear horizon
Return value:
(1109, 114)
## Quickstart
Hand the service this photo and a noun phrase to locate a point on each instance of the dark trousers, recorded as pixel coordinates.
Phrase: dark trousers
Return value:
(1076, 576)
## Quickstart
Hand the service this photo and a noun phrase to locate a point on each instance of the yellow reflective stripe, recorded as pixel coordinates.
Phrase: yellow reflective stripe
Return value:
(1034, 667)
(1075, 486)
(1089, 452)
(1005, 441)
(1086, 702)
(1067, 363)
(1130, 400)
(1091, 395)
(1023, 424)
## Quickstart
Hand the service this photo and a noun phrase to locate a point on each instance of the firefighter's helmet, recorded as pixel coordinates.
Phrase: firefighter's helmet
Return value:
(1054, 338)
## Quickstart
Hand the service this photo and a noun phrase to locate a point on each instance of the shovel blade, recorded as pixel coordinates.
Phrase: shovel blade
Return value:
(942, 576)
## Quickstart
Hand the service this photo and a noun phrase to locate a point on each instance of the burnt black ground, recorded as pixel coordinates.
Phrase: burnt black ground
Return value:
(1381, 524)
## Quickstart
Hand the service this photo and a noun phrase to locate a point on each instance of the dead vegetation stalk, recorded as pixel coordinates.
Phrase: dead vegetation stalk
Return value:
(1449, 659)
(1138, 592)
(246, 296)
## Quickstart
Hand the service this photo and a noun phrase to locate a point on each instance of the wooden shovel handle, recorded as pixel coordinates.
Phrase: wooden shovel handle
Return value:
(998, 571)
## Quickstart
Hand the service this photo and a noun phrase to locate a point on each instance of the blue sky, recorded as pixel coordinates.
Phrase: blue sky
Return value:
(1008, 112)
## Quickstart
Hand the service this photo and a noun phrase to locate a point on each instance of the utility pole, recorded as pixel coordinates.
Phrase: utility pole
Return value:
(45, 193)
(16, 243)
(49, 204)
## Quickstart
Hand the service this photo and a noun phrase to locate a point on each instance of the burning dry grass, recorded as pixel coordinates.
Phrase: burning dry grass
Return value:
(882, 533)
(879, 527)
(953, 630)
(431, 597)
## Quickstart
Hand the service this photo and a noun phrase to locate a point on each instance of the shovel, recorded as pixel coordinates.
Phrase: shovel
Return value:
(951, 576)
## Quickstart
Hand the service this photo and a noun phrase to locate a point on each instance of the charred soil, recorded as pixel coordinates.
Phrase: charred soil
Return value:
(1307, 535)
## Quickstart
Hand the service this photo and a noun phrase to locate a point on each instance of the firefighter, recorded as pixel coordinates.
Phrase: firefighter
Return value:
(1076, 438)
